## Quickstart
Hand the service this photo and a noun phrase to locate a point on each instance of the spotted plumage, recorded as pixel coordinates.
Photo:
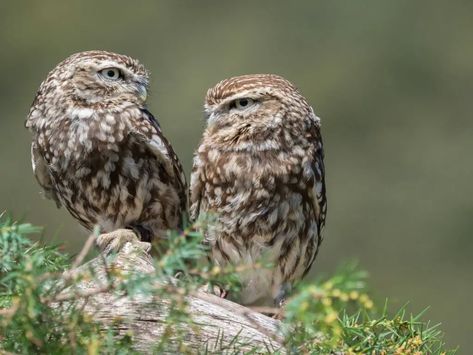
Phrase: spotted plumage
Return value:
(99, 152)
(259, 171)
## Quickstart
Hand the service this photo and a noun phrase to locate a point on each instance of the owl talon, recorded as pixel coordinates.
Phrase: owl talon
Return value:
(179, 275)
(278, 315)
(223, 293)
(114, 241)
(219, 291)
(215, 290)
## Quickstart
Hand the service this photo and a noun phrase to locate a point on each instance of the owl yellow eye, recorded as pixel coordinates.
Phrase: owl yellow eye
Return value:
(241, 104)
(111, 73)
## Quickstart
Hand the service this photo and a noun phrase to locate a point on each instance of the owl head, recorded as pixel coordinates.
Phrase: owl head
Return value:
(97, 78)
(255, 102)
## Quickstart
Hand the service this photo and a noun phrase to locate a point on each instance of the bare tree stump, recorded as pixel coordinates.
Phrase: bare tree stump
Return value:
(215, 322)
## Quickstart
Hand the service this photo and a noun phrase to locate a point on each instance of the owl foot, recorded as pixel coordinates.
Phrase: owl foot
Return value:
(219, 291)
(278, 315)
(280, 301)
(215, 290)
(114, 241)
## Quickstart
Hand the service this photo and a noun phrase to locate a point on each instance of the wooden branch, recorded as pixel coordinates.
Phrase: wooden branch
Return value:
(216, 323)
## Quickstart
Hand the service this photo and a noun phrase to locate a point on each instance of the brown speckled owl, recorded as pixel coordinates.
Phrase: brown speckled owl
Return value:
(259, 170)
(99, 152)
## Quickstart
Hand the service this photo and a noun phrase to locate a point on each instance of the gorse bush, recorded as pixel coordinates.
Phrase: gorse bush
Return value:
(338, 314)
(41, 307)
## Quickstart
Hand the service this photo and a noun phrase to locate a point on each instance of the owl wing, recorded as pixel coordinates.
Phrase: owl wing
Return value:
(196, 188)
(162, 149)
(43, 175)
(319, 188)
(314, 174)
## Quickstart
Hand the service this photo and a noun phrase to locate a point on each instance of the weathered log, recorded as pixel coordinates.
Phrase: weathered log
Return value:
(217, 324)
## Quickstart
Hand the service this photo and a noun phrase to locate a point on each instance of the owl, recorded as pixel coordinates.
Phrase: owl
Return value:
(100, 153)
(259, 171)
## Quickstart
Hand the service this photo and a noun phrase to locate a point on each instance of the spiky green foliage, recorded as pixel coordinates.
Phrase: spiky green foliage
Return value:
(27, 322)
(337, 313)
(330, 315)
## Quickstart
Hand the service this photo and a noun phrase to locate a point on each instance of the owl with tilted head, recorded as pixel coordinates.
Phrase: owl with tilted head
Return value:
(101, 154)
(259, 171)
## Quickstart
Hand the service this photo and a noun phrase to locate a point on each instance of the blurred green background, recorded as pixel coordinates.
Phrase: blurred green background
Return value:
(391, 80)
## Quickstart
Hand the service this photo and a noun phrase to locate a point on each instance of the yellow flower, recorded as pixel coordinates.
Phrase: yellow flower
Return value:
(416, 341)
(331, 317)
(336, 293)
(215, 270)
(354, 295)
(315, 292)
(400, 350)
(93, 346)
(364, 298)
(337, 331)
(326, 301)
(304, 306)
(327, 285)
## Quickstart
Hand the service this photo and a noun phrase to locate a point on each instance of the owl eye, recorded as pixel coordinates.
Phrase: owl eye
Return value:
(241, 104)
(111, 73)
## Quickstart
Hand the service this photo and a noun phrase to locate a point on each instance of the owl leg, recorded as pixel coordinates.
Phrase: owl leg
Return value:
(280, 299)
(114, 241)
(141, 231)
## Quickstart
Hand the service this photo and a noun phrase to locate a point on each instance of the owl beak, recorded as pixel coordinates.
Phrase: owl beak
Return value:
(142, 92)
